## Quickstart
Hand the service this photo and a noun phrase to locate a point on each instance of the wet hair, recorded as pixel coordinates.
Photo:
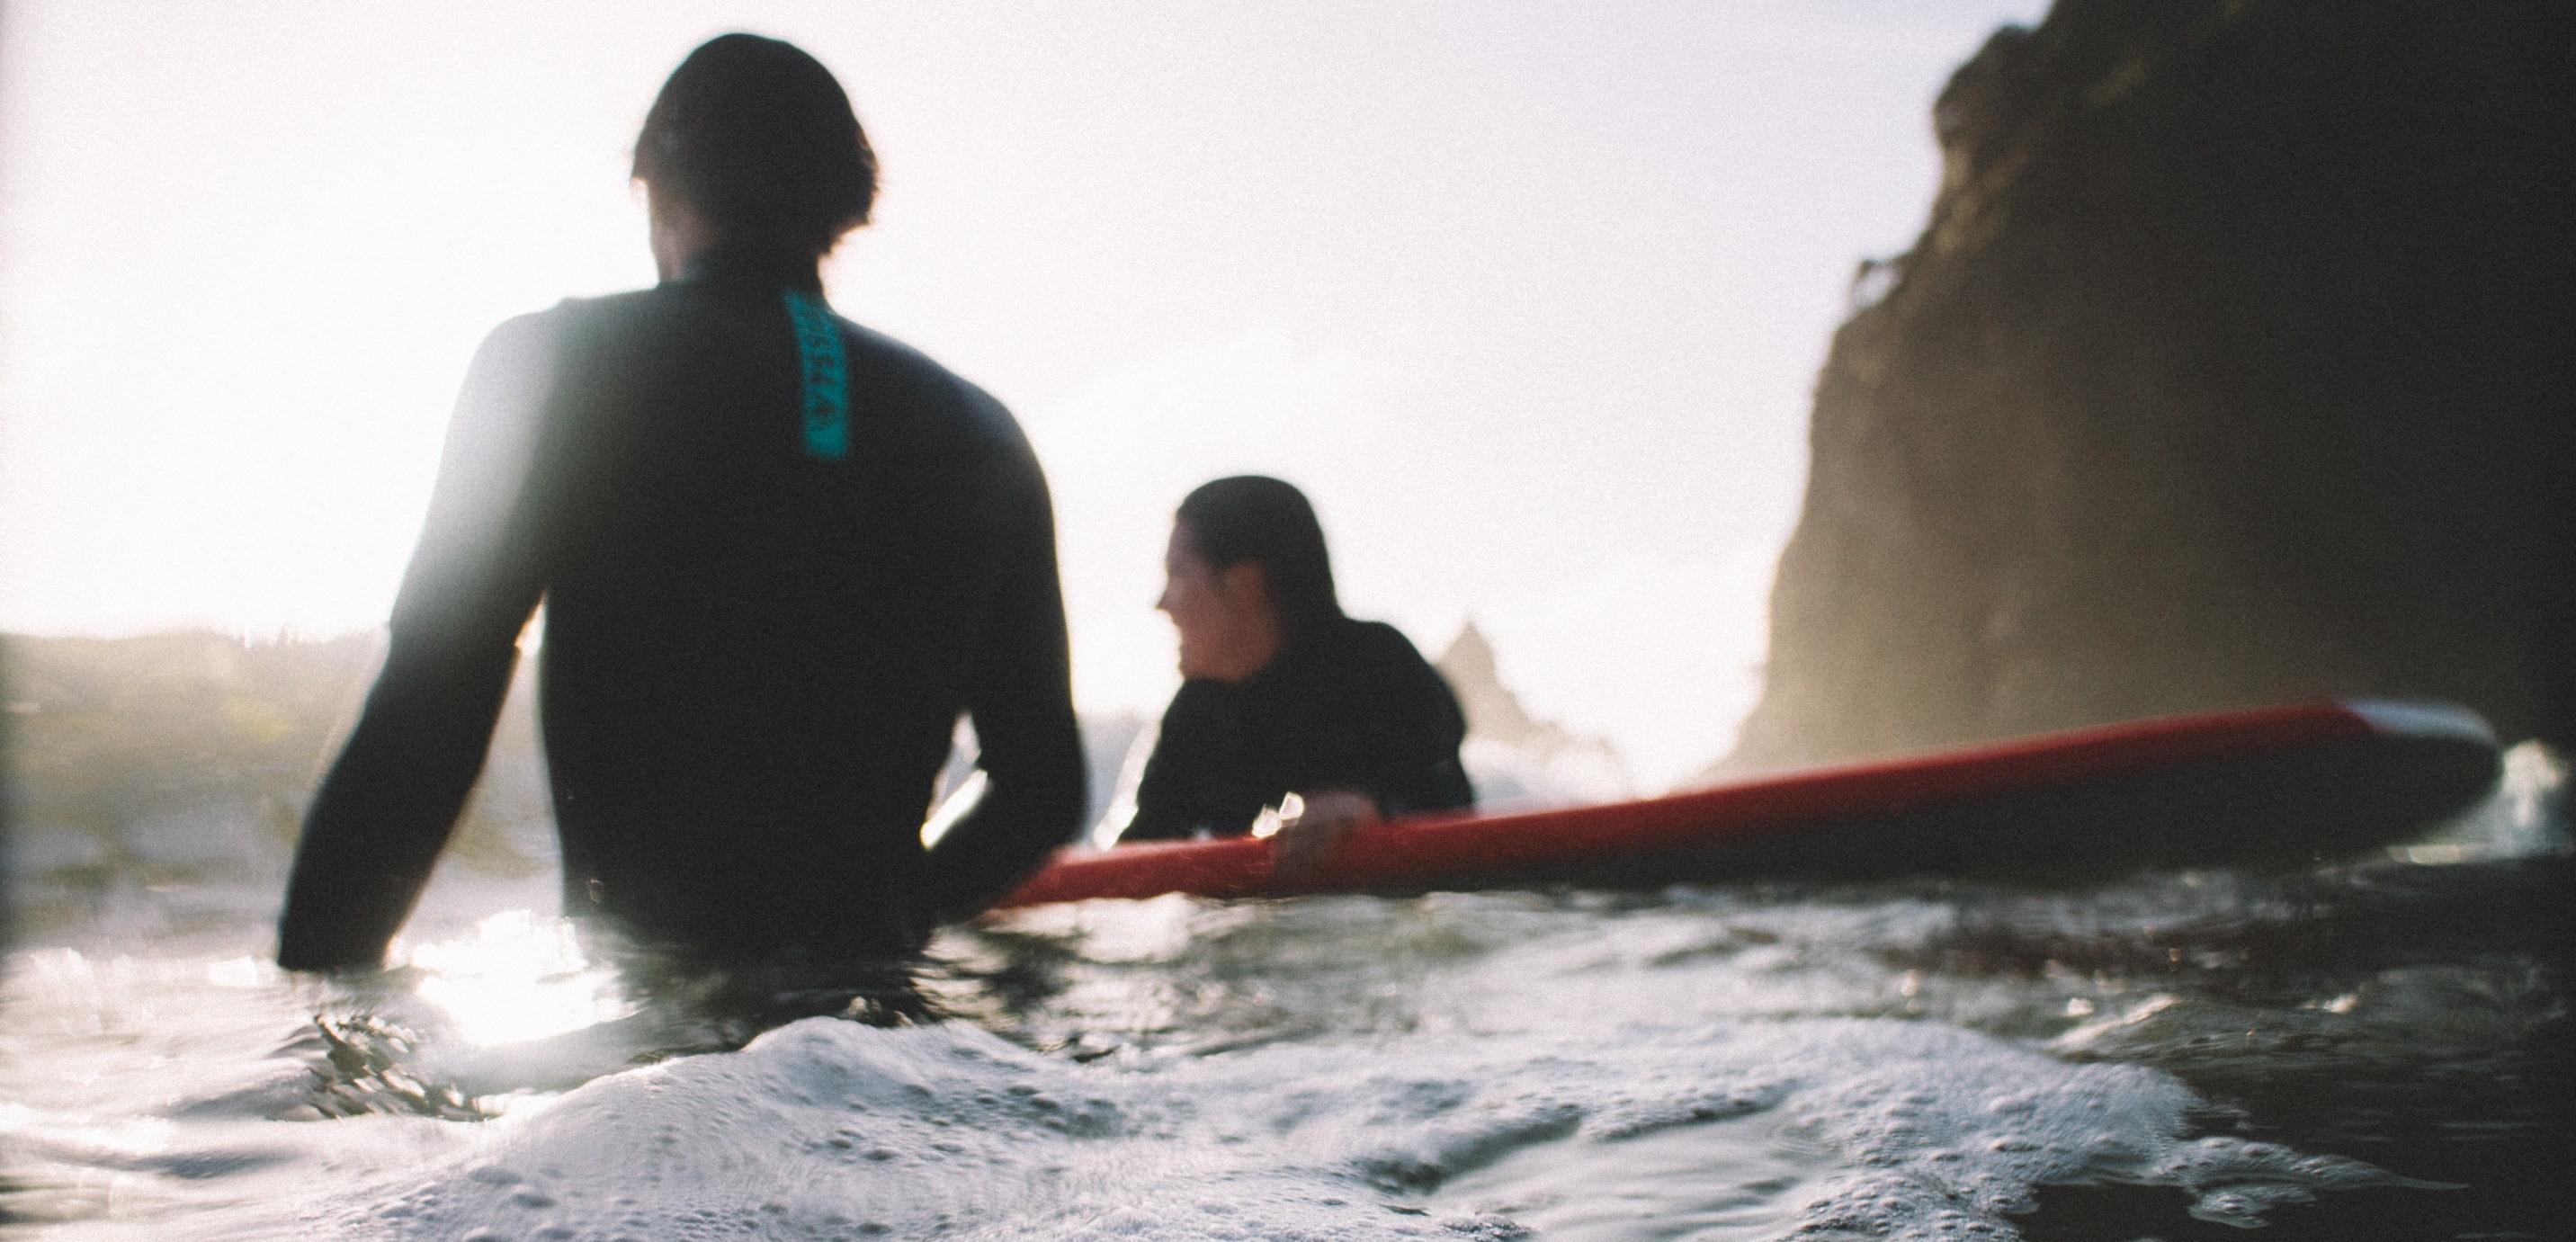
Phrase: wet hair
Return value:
(757, 137)
(1251, 517)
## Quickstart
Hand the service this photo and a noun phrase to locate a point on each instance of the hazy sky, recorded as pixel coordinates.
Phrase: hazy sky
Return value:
(1528, 297)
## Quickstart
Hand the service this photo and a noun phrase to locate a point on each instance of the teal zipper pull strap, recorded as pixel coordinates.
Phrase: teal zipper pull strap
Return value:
(826, 374)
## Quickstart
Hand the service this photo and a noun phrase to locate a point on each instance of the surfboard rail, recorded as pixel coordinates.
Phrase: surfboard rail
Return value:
(2302, 780)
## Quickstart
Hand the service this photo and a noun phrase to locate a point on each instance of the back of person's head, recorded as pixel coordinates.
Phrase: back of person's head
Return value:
(758, 138)
(1251, 517)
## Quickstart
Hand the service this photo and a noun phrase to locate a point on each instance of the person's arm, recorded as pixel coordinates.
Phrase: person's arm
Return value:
(1405, 727)
(1159, 815)
(1020, 697)
(385, 810)
(1409, 732)
(1182, 780)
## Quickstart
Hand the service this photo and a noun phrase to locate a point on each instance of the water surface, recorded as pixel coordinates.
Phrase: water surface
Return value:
(2376, 1049)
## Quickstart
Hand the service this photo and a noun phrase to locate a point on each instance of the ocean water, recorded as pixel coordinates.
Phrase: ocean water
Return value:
(2373, 1049)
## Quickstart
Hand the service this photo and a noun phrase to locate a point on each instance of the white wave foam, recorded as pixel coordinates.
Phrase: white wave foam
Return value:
(1812, 1128)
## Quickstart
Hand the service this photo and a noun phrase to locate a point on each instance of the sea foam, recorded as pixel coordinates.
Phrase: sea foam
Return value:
(1812, 1129)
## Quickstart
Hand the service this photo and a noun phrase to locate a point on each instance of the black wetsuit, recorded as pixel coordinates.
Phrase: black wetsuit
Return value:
(756, 645)
(1350, 705)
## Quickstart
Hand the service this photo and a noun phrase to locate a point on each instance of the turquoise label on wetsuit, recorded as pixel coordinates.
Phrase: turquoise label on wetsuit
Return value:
(826, 372)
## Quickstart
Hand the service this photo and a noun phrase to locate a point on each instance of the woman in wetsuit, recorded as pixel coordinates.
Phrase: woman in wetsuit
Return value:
(1282, 693)
(779, 555)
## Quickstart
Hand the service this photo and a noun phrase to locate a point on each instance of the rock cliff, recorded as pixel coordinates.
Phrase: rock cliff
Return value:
(2232, 366)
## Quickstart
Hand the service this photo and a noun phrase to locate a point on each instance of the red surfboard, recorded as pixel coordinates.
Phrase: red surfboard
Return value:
(2297, 783)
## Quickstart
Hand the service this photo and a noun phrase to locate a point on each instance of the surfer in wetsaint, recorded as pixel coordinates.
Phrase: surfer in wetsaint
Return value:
(1286, 703)
(779, 555)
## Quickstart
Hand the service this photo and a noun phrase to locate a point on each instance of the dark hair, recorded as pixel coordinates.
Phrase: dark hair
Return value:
(758, 137)
(1251, 517)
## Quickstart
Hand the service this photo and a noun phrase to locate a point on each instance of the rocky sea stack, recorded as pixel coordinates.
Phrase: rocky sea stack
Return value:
(2232, 367)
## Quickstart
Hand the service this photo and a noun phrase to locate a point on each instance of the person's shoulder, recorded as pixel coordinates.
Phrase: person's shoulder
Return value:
(600, 309)
(521, 349)
(893, 355)
(1377, 651)
(1378, 638)
(531, 327)
(912, 379)
(553, 326)
(672, 321)
(919, 373)
(1198, 702)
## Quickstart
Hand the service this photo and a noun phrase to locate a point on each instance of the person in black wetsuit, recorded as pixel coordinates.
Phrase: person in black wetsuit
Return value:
(779, 555)
(1282, 693)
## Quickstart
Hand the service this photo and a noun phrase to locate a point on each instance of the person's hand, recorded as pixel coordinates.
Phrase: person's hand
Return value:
(1312, 824)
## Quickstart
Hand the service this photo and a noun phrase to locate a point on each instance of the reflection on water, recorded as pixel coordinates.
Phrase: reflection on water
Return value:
(518, 978)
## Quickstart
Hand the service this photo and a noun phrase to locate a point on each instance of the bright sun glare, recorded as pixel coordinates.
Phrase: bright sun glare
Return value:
(518, 978)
